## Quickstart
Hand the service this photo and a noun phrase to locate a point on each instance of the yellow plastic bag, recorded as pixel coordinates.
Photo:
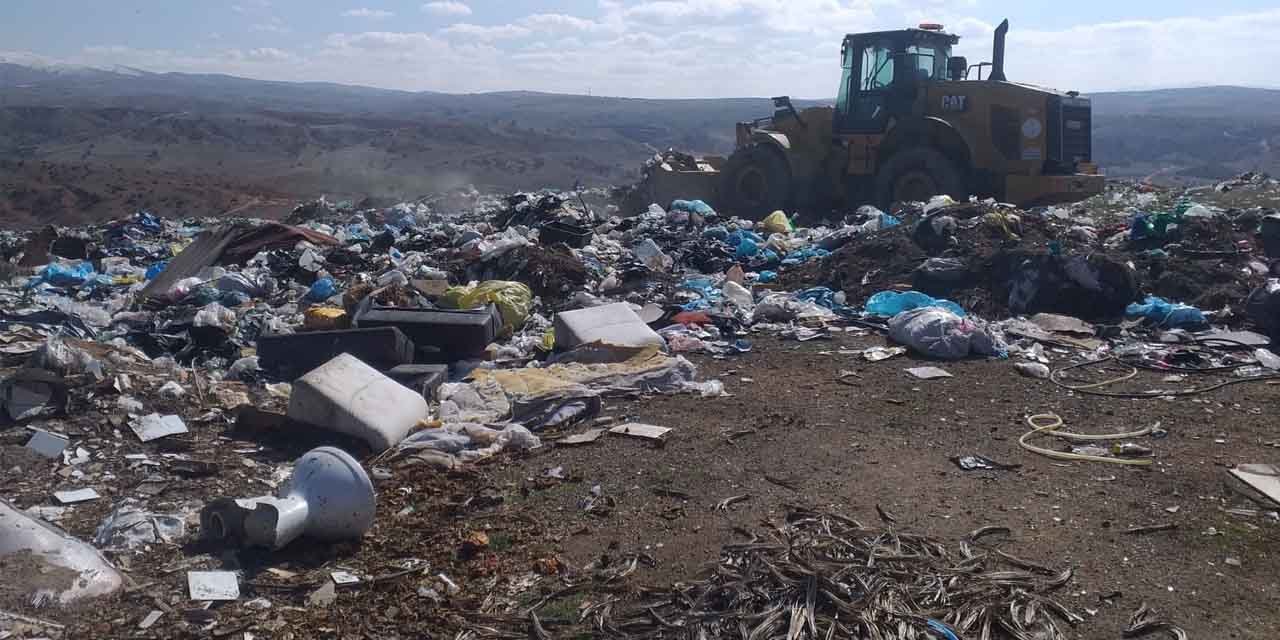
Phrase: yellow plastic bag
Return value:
(777, 222)
(325, 318)
(1008, 224)
(514, 300)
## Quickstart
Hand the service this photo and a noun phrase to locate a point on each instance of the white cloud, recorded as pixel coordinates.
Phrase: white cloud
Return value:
(707, 48)
(269, 54)
(562, 22)
(365, 12)
(485, 32)
(275, 26)
(447, 9)
(246, 7)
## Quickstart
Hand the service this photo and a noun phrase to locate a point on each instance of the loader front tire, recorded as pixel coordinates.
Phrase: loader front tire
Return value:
(756, 182)
(917, 174)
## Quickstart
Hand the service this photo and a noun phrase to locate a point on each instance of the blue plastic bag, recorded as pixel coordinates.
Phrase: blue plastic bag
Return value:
(60, 275)
(804, 255)
(716, 233)
(233, 299)
(156, 269)
(692, 206)
(703, 287)
(1171, 315)
(767, 276)
(735, 238)
(942, 631)
(891, 303)
(202, 296)
(822, 296)
(746, 248)
(323, 289)
(148, 221)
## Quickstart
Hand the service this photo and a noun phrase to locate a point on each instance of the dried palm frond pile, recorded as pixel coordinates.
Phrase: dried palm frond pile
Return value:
(827, 576)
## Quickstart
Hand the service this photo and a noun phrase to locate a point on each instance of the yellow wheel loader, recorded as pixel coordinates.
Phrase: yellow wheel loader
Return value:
(911, 121)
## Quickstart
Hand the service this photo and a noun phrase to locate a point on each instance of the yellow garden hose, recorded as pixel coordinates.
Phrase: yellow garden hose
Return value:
(1048, 423)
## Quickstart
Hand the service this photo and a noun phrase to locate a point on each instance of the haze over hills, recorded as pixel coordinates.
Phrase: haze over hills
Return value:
(78, 144)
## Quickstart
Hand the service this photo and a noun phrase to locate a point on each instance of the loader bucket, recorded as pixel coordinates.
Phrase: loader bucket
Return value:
(663, 184)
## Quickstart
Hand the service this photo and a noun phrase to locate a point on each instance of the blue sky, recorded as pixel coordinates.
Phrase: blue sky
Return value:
(650, 48)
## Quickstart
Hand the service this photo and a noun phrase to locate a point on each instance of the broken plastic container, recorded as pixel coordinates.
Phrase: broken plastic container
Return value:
(348, 396)
(329, 497)
(61, 567)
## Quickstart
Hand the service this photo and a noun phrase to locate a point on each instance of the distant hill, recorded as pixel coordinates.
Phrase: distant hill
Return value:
(79, 144)
(1179, 134)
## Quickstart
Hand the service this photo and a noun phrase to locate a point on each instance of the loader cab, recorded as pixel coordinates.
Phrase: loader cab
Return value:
(884, 71)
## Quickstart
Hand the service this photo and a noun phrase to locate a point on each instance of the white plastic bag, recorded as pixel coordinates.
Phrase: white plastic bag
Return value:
(938, 333)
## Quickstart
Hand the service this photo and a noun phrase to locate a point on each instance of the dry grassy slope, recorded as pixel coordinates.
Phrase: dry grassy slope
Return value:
(87, 145)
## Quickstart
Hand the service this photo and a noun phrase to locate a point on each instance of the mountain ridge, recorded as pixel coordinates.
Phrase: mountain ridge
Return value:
(83, 146)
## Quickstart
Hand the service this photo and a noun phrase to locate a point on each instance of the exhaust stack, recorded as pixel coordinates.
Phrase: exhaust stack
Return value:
(997, 53)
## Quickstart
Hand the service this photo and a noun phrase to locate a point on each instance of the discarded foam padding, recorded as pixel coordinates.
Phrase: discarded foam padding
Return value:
(348, 396)
(613, 324)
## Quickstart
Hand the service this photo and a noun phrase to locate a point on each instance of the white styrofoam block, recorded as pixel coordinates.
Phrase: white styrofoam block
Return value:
(348, 396)
(614, 324)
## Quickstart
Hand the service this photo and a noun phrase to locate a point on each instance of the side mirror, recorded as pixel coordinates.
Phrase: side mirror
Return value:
(958, 67)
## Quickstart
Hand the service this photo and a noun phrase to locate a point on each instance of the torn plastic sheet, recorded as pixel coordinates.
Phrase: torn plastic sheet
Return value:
(456, 442)
(532, 399)
(32, 393)
(47, 322)
(604, 369)
(129, 527)
(61, 357)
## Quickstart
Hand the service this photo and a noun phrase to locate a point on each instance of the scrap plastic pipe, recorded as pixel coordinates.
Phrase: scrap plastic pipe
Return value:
(328, 497)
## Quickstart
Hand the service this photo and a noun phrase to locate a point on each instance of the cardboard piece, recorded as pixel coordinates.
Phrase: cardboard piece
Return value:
(638, 430)
(207, 586)
(928, 373)
(1264, 478)
(154, 426)
(49, 445)
(586, 437)
(75, 496)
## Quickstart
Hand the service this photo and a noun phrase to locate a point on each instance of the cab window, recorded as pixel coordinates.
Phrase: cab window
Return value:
(877, 68)
(922, 61)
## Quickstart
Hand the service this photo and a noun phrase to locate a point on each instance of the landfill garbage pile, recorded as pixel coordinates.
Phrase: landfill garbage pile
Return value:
(996, 261)
(225, 383)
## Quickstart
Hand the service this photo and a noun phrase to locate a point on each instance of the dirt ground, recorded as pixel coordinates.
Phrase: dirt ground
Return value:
(886, 441)
(791, 434)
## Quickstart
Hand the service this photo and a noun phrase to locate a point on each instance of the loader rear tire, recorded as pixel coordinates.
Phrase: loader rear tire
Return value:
(915, 175)
(756, 182)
